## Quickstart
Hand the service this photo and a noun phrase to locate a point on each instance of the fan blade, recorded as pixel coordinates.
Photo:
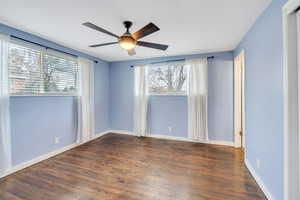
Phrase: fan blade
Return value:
(104, 44)
(131, 52)
(146, 30)
(152, 45)
(97, 28)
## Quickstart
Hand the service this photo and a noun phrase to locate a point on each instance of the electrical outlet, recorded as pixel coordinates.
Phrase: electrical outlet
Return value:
(170, 129)
(56, 140)
(257, 163)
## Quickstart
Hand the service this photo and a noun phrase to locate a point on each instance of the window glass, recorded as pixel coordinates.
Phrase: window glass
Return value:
(35, 71)
(170, 78)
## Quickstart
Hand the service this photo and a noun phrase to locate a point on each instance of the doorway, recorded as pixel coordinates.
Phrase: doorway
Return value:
(239, 100)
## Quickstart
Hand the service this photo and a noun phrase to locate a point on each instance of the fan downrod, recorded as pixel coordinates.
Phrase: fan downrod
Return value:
(127, 25)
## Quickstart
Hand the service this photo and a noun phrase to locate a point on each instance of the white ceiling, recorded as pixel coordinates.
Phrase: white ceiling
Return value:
(187, 26)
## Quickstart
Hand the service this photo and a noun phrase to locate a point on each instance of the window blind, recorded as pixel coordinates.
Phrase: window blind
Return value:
(60, 73)
(24, 70)
(36, 71)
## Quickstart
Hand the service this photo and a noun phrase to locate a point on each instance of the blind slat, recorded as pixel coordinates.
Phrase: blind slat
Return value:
(34, 71)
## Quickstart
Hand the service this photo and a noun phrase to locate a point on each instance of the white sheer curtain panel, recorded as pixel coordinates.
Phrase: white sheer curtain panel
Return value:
(141, 101)
(5, 135)
(85, 101)
(197, 99)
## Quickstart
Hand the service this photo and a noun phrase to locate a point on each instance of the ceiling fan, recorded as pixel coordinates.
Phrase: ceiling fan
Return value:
(128, 41)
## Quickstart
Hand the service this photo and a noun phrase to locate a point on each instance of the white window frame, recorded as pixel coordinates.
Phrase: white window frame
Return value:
(44, 51)
(178, 93)
(168, 93)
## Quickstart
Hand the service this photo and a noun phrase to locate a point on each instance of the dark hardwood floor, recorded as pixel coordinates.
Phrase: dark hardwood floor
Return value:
(129, 168)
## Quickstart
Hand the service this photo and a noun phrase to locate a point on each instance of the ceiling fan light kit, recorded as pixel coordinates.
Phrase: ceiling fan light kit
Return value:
(128, 41)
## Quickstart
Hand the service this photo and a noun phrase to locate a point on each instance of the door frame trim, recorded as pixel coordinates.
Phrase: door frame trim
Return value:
(290, 102)
(237, 138)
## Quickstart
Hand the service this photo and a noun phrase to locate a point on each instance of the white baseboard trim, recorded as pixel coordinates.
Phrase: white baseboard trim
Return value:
(48, 155)
(71, 146)
(166, 137)
(122, 132)
(259, 181)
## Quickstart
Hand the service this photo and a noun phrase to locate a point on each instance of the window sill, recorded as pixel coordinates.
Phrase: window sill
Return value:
(170, 94)
(43, 95)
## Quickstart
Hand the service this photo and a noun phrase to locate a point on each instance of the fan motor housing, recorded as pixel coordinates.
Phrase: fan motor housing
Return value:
(127, 38)
(127, 41)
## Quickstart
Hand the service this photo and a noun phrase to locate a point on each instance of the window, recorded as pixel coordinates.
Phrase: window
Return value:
(24, 69)
(36, 71)
(167, 78)
(60, 74)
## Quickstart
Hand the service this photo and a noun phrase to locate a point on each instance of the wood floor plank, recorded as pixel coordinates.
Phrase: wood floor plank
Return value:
(130, 168)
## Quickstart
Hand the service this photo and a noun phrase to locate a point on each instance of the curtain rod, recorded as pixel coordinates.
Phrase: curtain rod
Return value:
(209, 57)
(15, 37)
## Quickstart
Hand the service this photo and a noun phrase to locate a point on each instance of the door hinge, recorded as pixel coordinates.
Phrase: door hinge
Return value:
(241, 133)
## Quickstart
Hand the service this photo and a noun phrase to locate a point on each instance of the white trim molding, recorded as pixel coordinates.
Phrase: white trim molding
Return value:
(291, 98)
(71, 146)
(167, 137)
(259, 181)
(48, 155)
(74, 145)
(239, 100)
(37, 160)
(291, 6)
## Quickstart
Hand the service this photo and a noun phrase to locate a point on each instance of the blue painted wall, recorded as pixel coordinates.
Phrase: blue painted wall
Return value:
(36, 121)
(171, 111)
(168, 111)
(102, 103)
(264, 97)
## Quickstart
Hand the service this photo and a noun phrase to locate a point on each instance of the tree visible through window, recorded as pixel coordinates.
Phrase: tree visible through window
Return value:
(60, 75)
(38, 71)
(168, 79)
(24, 69)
